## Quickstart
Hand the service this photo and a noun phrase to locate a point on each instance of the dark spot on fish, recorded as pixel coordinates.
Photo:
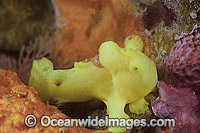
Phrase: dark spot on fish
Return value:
(58, 84)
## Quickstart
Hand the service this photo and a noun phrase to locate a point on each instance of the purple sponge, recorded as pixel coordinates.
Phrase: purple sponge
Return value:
(183, 64)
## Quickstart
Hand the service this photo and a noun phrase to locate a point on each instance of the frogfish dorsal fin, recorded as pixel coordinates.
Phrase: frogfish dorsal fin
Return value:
(133, 42)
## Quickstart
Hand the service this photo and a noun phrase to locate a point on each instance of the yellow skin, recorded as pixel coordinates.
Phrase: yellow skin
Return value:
(127, 77)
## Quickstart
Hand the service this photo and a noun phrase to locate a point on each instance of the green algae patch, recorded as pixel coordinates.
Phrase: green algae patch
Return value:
(24, 21)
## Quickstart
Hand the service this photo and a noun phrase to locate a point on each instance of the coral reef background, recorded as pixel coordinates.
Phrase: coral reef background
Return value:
(72, 30)
(74, 37)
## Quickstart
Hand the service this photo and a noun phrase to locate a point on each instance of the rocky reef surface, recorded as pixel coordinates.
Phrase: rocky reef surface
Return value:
(179, 93)
(73, 37)
(24, 21)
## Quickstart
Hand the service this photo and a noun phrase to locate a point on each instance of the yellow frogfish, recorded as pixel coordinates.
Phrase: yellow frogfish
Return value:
(126, 77)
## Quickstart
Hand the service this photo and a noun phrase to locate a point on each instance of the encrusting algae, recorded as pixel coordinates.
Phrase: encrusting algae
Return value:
(127, 75)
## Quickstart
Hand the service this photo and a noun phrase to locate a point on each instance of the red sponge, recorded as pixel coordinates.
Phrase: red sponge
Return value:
(179, 104)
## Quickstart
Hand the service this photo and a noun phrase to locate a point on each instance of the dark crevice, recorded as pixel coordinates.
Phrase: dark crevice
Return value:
(157, 13)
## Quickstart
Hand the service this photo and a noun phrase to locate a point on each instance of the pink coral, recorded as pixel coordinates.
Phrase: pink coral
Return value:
(179, 104)
(183, 64)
